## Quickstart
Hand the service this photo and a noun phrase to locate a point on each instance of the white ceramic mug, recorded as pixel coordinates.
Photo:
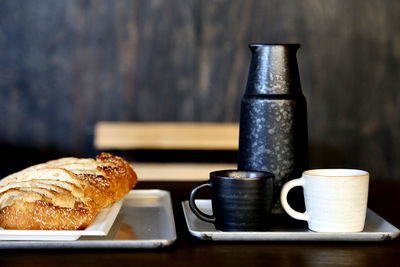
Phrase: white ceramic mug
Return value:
(336, 199)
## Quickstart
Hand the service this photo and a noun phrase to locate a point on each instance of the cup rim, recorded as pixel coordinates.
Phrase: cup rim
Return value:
(223, 174)
(336, 173)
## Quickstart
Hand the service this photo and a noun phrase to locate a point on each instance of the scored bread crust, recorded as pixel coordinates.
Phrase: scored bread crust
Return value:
(63, 194)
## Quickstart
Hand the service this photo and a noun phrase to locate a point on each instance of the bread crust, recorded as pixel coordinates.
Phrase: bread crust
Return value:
(63, 194)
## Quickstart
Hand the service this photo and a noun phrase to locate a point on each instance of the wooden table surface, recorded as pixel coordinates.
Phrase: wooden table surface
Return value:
(384, 198)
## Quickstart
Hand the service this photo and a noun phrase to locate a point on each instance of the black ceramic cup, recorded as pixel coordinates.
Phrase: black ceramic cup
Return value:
(241, 200)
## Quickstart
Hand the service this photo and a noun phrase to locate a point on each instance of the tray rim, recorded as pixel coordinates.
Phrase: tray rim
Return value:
(289, 235)
(101, 243)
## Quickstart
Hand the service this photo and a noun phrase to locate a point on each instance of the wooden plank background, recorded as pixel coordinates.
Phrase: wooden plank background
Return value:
(167, 136)
(64, 65)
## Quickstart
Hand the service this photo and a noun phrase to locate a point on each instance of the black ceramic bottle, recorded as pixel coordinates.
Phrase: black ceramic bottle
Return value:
(273, 116)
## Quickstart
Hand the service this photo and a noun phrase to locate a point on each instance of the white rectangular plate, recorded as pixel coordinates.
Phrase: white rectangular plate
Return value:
(99, 227)
(376, 229)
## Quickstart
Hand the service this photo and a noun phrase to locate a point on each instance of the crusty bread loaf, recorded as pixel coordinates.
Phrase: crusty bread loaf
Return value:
(63, 194)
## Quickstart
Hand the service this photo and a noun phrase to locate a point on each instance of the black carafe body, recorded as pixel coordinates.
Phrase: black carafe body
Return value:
(273, 116)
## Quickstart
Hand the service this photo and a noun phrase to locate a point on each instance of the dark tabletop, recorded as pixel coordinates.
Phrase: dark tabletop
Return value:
(384, 199)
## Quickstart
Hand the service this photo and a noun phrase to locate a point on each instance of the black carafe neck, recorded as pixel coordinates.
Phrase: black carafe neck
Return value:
(273, 70)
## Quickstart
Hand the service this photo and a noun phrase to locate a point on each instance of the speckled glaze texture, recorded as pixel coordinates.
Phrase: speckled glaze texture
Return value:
(273, 117)
(241, 201)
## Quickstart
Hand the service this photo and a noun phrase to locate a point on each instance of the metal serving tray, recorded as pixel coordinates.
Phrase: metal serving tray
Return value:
(145, 221)
(376, 229)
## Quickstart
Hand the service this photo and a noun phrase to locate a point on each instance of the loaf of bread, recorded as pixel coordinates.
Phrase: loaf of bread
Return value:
(63, 194)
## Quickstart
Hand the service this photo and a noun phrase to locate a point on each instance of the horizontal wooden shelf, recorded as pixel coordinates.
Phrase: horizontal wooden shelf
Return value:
(172, 136)
(177, 171)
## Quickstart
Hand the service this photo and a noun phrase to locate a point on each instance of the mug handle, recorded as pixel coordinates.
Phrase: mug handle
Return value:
(194, 208)
(285, 190)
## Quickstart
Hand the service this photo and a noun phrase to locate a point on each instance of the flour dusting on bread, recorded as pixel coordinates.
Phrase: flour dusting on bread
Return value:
(63, 194)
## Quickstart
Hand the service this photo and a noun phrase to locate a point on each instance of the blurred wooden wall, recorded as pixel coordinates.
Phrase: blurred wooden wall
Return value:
(64, 65)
